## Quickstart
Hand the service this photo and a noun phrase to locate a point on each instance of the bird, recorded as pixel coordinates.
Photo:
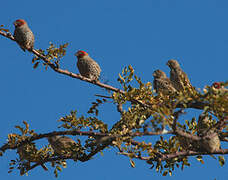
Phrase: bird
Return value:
(220, 87)
(162, 83)
(29, 152)
(212, 143)
(62, 145)
(87, 66)
(23, 35)
(178, 77)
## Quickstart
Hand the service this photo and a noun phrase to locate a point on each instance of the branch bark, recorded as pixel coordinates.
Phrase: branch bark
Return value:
(196, 105)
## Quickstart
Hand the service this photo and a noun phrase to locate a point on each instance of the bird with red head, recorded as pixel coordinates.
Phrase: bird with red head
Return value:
(23, 35)
(87, 66)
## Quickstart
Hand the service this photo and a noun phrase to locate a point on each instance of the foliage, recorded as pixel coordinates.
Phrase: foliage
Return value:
(143, 113)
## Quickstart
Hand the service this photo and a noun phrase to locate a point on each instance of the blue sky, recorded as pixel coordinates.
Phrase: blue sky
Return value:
(145, 34)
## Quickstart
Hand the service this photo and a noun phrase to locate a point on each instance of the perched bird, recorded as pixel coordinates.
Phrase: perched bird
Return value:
(219, 89)
(162, 83)
(204, 128)
(178, 77)
(87, 66)
(62, 145)
(219, 86)
(23, 35)
(29, 153)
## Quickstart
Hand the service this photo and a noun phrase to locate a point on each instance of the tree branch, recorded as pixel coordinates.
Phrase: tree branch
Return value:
(165, 157)
(65, 72)
(196, 105)
(76, 132)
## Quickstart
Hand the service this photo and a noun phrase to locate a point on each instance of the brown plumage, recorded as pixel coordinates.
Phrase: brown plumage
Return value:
(23, 35)
(87, 66)
(178, 77)
(204, 128)
(162, 83)
(62, 145)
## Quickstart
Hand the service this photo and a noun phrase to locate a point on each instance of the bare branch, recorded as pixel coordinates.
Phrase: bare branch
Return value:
(191, 153)
(76, 132)
(65, 72)
(165, 157)
(196, 105)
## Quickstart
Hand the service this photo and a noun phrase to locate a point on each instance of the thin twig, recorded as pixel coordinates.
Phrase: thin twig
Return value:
(196, 105)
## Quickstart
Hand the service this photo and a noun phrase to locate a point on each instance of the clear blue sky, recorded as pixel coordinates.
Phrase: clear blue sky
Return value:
(145, 34)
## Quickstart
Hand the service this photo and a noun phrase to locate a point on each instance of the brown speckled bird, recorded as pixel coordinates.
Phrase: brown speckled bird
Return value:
(162, 83)
(62, 145)
(204, 128)
(23, 35)
(178, 77)
(29, 153)
(87, 66)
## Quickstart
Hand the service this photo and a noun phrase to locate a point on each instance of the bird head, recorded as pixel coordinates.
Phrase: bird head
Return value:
(19, 22)
(81, 54)
(159, 73)
(173, 63)
(217, 85)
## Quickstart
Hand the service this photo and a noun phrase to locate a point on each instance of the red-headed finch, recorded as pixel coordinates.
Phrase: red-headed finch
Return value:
(23, 35)
(219, 86)
(87, 66)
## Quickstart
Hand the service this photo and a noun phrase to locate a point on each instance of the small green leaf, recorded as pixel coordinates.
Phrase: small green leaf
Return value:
(221, 160)
(132, 163)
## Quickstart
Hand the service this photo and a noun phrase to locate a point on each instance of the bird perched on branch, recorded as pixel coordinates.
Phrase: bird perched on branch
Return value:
(87, 66)
(63, 145)
(23, 35)
(219, 87)
(178, 77)
(29, 153)
(204, 128)
(162, 83)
